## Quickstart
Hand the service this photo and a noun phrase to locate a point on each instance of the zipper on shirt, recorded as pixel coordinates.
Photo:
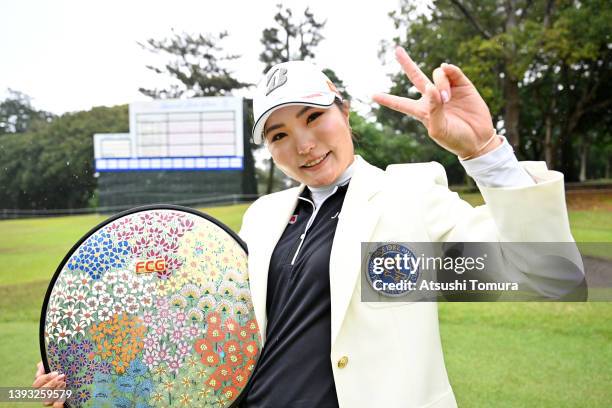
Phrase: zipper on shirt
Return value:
(310, 221)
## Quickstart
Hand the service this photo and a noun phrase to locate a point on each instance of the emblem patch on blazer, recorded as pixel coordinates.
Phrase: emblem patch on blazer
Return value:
(393, 270)
(293, 219)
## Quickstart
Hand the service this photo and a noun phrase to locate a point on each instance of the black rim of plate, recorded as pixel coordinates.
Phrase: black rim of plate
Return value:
(41, 336)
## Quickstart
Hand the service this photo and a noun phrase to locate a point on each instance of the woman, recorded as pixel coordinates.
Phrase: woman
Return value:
(323, 347)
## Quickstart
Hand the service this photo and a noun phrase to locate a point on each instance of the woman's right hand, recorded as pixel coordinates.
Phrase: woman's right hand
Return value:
(52, 380)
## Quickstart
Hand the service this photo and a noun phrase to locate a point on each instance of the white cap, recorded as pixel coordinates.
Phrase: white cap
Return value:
(290, 83)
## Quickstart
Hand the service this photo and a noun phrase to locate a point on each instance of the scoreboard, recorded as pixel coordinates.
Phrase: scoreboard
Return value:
(180, 134)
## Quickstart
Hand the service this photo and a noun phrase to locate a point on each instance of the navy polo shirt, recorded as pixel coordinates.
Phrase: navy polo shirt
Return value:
(294, 369)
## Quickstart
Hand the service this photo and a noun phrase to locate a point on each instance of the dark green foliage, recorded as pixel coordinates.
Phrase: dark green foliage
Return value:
(52, 167)
(544, 69)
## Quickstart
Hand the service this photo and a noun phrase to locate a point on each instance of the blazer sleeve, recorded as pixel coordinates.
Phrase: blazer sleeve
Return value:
(522, 215)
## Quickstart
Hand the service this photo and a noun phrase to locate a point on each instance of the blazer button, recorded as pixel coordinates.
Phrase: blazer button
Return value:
(342, 362)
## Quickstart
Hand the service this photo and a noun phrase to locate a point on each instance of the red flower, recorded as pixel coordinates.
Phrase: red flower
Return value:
(231, 347)
(240, 378)
(230, 393)
(215, 333)
(202, 346)
(210, 359)
(252, 327)
(243, 334)
(224, 372)
(213, 319)
(213, 382)
(250, 365)
(234, 359)
(231, 325)
(250, 348)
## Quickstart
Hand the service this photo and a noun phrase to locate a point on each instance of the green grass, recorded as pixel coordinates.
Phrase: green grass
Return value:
(497, 354)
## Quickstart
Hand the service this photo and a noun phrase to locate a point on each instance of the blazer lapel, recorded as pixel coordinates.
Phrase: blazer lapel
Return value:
(274, 225)
(357, 221)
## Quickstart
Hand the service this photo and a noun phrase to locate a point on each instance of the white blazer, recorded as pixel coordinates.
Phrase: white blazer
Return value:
(389, 354)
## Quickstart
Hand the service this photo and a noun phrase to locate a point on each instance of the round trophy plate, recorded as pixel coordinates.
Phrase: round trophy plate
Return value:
(152, 308)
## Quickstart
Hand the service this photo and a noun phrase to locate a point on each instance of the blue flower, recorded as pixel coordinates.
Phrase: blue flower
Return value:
(137, 368)
(122, 402)
(126, 383)
(144, 388)
(98, 254)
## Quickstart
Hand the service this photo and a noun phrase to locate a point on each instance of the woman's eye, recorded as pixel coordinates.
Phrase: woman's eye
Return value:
(313, 116)
(278, 136)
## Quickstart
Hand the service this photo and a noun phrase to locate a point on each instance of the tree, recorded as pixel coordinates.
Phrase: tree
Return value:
(290, 40)
(18, 116)
(53, 166)
(540, 66)
(197, 64)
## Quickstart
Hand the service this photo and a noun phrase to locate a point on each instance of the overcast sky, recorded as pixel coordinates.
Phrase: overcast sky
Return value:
(72, 55)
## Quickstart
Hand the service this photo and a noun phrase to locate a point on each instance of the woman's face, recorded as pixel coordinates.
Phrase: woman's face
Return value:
(311, 145)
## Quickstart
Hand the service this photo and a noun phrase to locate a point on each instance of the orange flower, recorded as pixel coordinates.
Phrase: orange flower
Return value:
(234, 359)
(215, 333)
(210, 359)
(250, 348)
(223, 372)
(243, 334)
(231, 325)
(213, 382)
(231, 347)
(213, 319)
(240, 378)
(202, 346)
(250, 365)
(230, 392)
(251, 326)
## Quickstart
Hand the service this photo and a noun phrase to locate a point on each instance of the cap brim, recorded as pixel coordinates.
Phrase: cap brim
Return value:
(324, 101)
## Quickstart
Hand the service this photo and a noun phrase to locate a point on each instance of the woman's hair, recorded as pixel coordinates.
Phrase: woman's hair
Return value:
(340, 104)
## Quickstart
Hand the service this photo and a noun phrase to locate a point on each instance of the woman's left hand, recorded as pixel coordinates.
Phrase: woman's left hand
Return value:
(452, 110)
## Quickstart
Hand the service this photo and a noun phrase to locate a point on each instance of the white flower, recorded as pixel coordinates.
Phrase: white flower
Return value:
(119, 291)
(129, 300)
(146, 301)
(71, 312)
(117, 308)
(79, 328)
(110, 278)
(104, 314)
(135, 286)
(125, 277)
(106, 300)
(133, 308)
(63, 333)
(98, 288)
(86, 317)
(92, 303)
(79, 296)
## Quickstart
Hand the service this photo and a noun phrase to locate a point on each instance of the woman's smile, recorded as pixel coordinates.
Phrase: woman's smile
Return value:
(316, 163)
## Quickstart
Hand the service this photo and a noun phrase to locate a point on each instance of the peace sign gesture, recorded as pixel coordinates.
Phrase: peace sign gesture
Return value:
(452, 110)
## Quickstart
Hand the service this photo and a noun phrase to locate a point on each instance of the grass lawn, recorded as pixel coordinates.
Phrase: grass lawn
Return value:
(497, 354)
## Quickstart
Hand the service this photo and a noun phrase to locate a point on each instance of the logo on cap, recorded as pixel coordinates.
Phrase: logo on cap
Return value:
(276, 79)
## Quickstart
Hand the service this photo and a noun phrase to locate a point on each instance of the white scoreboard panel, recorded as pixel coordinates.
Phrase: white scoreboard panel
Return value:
(178, 134)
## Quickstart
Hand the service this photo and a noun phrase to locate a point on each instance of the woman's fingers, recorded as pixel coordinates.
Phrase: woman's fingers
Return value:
(40, 369)
(442, 83)
(436, 125)
(455, 75)
(414, 73)
(404, 105)
(48, 380)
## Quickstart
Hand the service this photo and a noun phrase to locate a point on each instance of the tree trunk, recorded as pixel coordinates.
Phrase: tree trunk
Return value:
(584, 154)
(512, 111)
(548, 144)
